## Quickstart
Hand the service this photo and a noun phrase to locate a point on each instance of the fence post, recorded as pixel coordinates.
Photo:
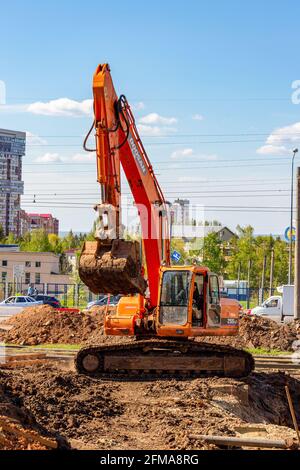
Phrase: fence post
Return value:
(76, 295)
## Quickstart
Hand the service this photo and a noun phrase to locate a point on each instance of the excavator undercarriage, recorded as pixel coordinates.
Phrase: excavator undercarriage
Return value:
(160, 357)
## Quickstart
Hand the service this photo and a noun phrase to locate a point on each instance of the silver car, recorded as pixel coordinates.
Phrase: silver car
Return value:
(20, 301)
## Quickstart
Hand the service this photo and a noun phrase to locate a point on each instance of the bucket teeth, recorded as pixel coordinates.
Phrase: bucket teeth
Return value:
(112, 267)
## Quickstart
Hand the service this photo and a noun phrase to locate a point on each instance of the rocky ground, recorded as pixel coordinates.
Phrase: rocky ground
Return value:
(162, 414)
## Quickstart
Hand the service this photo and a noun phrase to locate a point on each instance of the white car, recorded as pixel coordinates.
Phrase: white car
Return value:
(20, 301)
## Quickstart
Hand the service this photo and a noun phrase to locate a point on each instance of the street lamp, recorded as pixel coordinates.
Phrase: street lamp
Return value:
(291, 220)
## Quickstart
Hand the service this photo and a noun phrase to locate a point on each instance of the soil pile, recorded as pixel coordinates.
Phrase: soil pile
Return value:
(44, 324)
(258, 332)
(159, 414)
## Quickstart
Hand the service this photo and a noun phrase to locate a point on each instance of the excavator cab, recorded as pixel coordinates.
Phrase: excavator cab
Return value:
(190, 303)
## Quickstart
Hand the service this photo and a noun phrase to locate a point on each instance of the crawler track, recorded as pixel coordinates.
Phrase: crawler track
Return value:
(151, 358)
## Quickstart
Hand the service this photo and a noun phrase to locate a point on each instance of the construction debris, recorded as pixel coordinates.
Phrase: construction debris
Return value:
(221, 441)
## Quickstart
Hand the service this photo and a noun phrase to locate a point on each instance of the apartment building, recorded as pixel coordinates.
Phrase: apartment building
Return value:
(44, 221)
(12, 149)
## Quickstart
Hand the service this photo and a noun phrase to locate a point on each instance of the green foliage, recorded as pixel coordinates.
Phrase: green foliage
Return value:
(1, 234)
(213, 256)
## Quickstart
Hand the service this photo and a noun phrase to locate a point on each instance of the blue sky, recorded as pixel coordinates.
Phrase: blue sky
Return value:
(210, 84)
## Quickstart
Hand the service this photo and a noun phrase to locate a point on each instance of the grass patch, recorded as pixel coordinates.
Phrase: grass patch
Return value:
(266, 352)
(66, 347)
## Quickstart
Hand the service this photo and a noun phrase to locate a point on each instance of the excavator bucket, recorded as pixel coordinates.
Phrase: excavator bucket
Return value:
(112, 267)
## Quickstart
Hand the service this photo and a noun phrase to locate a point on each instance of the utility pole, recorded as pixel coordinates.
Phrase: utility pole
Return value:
(291, 220)
(248, 283)
(271, 273)
(297, 253)
(263, 276)
(238, 281)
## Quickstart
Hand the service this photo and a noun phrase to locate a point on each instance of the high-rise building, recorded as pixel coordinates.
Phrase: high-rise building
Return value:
(44, 221)
(12, 149)
(180, 212)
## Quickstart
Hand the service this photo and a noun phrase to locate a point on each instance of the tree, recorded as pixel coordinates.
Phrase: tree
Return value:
(213, 256)
(38, 241)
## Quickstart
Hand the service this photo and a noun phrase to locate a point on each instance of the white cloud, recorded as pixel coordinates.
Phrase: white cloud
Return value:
(83, 157)
(281, 140)
(198, 117)
(273, 150)
(155, 131)
(182, 153)
(155, 119)
(138, 106)
(191, 179)
(190, 153)
(13, 108)
(49, 158)
(62, 107)
(34, 139)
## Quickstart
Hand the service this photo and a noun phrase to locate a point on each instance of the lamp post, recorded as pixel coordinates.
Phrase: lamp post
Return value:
(291, 221)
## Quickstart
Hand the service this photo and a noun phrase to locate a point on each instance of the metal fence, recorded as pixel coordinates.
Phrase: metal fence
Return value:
(78, 295)
(69, 295)
(249, 297)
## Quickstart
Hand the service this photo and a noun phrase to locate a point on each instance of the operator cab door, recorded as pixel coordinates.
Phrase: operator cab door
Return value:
(213, 314)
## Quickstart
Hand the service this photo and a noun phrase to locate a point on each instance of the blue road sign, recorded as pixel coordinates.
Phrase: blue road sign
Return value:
(288, 236)
(176, 256)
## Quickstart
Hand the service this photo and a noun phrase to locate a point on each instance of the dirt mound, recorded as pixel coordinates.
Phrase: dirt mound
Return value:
(44, 324)
(159, 414)
(257, 332)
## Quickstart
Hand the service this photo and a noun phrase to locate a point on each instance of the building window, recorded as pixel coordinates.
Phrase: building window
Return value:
(37, 264)
(28, 264)
(27, 278)
(37, 278)
(4, 276)
(4, 262)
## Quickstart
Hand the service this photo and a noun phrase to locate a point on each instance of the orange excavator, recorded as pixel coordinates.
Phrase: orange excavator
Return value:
(164, 308)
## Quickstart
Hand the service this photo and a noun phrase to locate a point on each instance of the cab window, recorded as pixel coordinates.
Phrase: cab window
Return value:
(273, 303)
(175, 292)
(214, 296)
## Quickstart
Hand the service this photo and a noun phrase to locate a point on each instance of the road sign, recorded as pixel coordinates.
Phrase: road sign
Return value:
(176, 256)
(288, 236)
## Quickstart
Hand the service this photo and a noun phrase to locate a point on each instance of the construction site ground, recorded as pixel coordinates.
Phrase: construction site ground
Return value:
(47, 405)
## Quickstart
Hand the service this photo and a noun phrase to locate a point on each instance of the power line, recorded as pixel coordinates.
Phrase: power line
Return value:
(173, 161)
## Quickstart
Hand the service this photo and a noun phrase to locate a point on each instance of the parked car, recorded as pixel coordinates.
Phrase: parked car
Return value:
(112, 300)
(48, 300)
(20, 301)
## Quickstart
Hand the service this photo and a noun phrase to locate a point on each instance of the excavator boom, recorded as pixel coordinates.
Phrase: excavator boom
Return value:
(108, 262)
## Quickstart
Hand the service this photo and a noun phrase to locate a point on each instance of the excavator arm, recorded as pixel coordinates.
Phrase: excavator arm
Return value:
(110, 264)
